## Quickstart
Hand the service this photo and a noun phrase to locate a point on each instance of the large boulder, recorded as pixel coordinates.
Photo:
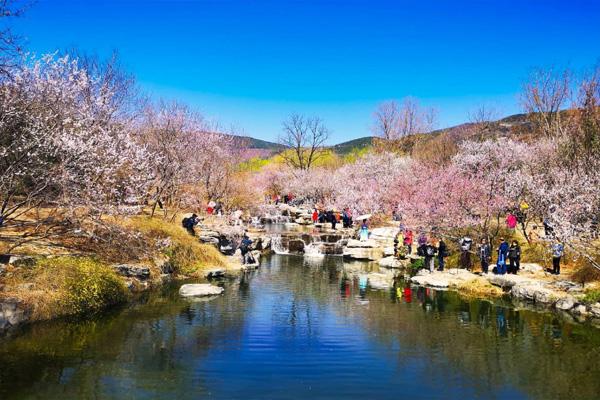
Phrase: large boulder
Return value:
(363, 253)
(133, 271)
(384, 235)
(199, 289)
(566, 303)
(22, 261)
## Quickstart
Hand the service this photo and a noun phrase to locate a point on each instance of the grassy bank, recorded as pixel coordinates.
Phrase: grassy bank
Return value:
(84, 283)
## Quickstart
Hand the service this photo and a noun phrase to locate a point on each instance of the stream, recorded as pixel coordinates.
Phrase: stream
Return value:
(302, 328)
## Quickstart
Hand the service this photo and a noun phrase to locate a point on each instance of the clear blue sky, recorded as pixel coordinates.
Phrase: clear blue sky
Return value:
(250, 63)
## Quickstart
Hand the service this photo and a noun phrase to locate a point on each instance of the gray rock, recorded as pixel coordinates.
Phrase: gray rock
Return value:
(580, 310)
(595, 310)
(545, 296)
(209, 240)
(388, 251)
(134, 271)
(525, 291)
(266, 242)
(12, 313)
(215, 273)
(566, 303)
(22, 261)
(199, 289)
(531, 268)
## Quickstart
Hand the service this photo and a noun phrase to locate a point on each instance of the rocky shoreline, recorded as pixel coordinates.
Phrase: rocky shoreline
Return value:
(533, 286)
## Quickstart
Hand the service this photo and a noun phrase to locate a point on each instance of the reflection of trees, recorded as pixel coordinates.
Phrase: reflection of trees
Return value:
(149, 348)
(492, 345)
(158, 349)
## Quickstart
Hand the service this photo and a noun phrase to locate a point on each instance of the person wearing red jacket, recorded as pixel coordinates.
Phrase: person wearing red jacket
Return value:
(408, 241)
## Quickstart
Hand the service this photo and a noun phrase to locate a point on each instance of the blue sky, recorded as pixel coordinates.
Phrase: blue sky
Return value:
(249, 64)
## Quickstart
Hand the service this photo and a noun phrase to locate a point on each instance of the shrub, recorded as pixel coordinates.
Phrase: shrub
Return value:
(70, 286)
(591, 296)
(416, 265)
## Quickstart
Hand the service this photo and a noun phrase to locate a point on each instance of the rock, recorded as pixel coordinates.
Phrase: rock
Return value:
(430, 280)
(595, 310)
(22, 261)
(532, 268)
(215, 273)
(12, 313)
(2, 270)
(525, 291)
(566, 303)
(165, 265)
(266, 243)
(384, 235)
(199, 289)
(389, 262)
(388, 251)
(580, 310)
(209, 240)
(508, 280)
(363, 253)
(545, 296)
(134, 271)
(353, 243)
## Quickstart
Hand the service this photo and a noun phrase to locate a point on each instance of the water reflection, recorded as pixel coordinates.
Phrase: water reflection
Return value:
(296, 330)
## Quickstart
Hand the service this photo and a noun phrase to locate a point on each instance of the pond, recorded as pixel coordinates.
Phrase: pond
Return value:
(298, 329)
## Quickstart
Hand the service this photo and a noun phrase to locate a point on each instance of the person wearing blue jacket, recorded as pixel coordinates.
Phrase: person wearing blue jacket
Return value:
(502, 255)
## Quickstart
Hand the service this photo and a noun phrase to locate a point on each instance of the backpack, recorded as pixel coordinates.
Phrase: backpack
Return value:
(186, 222)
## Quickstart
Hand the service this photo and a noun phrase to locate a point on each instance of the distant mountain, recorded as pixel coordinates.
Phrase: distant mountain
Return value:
(509, 126)
(253, 143)
(347, 147)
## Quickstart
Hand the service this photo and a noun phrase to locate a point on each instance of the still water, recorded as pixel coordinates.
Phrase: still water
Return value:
(305, 330)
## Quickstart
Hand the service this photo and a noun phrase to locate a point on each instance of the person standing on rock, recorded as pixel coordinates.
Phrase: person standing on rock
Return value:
(408, 241)
(245, 248)
(465, 252)
(398, 243)
(364, 231)
(429, 251)
(557, 252)
(514, 257)
(485, 254)
(315, 216)
(422, 239)
(442, 252)
(502, 255)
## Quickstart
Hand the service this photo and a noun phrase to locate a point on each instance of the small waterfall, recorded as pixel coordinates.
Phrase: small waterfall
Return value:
(313, 250)
(277, 245)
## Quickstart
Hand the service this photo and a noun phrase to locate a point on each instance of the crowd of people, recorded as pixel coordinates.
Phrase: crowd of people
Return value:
(507, 255)
(433, 250)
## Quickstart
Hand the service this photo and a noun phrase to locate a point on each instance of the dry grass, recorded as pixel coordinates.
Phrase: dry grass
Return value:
(479, 288)
(187, 255)
(66, 286)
